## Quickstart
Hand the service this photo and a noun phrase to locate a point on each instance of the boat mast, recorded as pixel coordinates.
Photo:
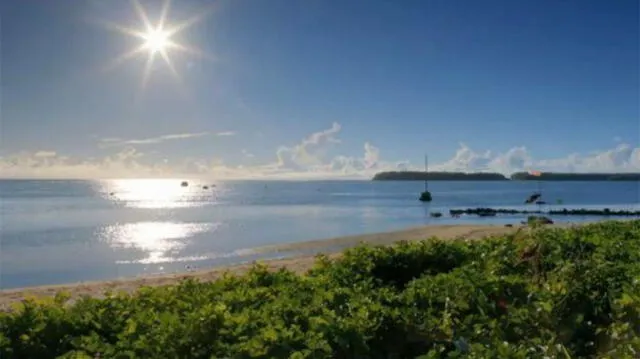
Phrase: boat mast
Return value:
(539, 186)
(426, 173)
(426, 195)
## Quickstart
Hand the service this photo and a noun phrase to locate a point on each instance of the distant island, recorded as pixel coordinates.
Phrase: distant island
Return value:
(438, 176)
(559, 176)
(489, 176)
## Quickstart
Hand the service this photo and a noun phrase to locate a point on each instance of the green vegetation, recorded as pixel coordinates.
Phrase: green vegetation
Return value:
(556, 176)
(557, 293)
(437, 176)
(538, 220)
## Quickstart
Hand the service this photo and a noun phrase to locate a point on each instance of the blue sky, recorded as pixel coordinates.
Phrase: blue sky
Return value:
(321, 87)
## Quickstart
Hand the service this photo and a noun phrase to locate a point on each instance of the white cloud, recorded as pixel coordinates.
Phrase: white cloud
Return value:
(247, 154)
(622, 158)
(115, 141)
(125, 163)
(371, 155)
(309, 159)
(310, 152)
(45, 154)
(226, 133)
(464, 159)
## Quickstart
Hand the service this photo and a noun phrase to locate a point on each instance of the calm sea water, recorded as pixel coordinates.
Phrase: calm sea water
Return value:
(66, 231)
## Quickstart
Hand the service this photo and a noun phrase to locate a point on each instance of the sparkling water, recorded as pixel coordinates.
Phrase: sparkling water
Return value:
(67, 231)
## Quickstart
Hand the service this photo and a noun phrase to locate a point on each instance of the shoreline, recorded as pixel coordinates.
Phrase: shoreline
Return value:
(297, 263)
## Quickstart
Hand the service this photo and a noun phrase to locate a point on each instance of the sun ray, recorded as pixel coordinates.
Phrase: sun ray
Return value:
(180, 84)
(174, 72)
(190, 50)
(187, 23)
(143, 15)
(124, 57)
(122, 29)
(164, 13)
(147, 70)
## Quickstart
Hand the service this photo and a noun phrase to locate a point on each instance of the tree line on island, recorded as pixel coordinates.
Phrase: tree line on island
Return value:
(494, 176)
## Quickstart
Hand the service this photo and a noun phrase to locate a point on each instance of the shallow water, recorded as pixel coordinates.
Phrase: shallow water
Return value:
(66, 231)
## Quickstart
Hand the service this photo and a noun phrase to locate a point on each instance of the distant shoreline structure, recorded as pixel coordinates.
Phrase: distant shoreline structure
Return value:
(493, 176)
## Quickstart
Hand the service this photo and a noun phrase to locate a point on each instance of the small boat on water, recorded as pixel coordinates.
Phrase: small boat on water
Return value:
(533, 198)
(425, 196)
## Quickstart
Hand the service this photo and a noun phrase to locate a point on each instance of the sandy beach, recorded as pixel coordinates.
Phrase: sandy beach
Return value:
(299, 264)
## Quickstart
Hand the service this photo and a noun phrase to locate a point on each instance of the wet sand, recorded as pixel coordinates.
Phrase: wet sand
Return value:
(299, 264)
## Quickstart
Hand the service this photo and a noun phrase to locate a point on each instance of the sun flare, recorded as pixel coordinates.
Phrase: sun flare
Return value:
(156, 39)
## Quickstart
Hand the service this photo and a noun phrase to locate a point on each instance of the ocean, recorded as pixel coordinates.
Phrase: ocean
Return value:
(60, 231)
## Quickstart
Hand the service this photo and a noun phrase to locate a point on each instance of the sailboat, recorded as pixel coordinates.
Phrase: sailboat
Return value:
(426, 195)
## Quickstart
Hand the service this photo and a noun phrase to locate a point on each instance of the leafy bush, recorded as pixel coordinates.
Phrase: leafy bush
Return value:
(558, 293)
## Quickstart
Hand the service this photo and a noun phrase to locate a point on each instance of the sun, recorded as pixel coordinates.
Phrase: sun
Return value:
(156, 39)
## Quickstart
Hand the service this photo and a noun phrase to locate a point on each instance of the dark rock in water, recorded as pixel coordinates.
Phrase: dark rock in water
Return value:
(436, 214)
(425, 196)
(483, 212)
(184, 184)
(533, 220)
(487, 214)
(480, 212)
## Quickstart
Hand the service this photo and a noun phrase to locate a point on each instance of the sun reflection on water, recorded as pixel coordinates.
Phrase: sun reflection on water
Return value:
(158, 193)
(160, 241)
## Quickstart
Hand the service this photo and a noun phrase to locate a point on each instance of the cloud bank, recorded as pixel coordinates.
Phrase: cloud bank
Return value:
(307, 159)
(622, 158)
